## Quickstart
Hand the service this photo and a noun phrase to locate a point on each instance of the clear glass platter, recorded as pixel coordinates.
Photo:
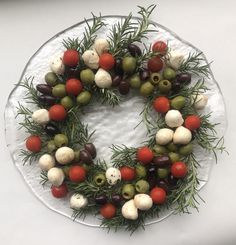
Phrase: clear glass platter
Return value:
(105, 120)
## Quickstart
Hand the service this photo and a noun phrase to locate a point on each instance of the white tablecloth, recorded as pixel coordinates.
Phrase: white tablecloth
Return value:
(210, 26)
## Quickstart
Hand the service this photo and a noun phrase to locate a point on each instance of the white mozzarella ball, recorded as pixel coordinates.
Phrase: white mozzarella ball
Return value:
(129, 210)
(41, 116)
(46, 162)
(143, 201)
(56, 176)
(182, 136)
(113, 175)
(101, 45)
(199, 101)
(78, 201)
(91, 59)
(173, 118)
(175, 59)
(64, 155)
(57, 65)
(164, 136)
(103, 79)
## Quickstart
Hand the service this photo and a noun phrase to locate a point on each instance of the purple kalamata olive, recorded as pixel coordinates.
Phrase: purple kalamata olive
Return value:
(101, 200)
(116, 199)
(90, 148)
(184, 77)
(85, 157)
(162, 161)
(144, 74)
(124, 87)
(151, 170)
(51, 129)
(116, 80)
(47, 99)
(134, 50)
(44, 89)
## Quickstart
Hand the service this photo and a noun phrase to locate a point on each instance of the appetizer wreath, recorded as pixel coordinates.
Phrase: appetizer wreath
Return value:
(162, 172)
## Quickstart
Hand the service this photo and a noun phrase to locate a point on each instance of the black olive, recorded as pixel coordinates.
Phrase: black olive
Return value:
(116, 80)
(124, 87)
(44, 89)
(184, 77)
(118, 67)
(47, 99)
(144, 74)
(101, 200)
(51, 129)
(172, 181)
(162, 161)
(85, 157)
(134, 50)
(116, 199)
(176, 85)
(90, 148)
(163, 185)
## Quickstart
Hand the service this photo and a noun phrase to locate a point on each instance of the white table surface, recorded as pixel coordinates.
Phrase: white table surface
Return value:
(208, 24)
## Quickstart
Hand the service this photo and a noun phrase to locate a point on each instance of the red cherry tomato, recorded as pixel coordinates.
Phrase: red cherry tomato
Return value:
(160, 47)
(127, 173)
(108, 211)
(144, 155)
(33, 143)
(161, 104)
(73, 86)
(59, 191)
(192, 122)
(57, 113)
(71, 57)
(77, 174)
(158, 195)
(155, 64)
(179, 169)
(106, 61)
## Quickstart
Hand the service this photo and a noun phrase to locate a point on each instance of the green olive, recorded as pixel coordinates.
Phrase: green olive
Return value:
(59, 90)
(51, 79)
(60, 140)
(159, 150)
(66, 170)
(155, 78)
(87, 76)
(142, 186)
(51, 146)
(129, 64)
(162, 173)
(135, 81)
(128, 191)
(146, 89)
(67, 102)
(172, 147)
(77, 155)
(164, 86)
(174, 157)
(178, 102)
(186, 149)
(99, 179)
(84, 98)
(169, 73)
(141, 171)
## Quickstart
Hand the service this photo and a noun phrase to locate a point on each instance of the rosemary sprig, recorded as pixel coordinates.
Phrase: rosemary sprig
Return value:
(186, 195)
(195, 64)
(32, 94)
(106, 96)
(30, 157)
(89, 35)
(44, 178)
(123, 155)
(126, 32)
